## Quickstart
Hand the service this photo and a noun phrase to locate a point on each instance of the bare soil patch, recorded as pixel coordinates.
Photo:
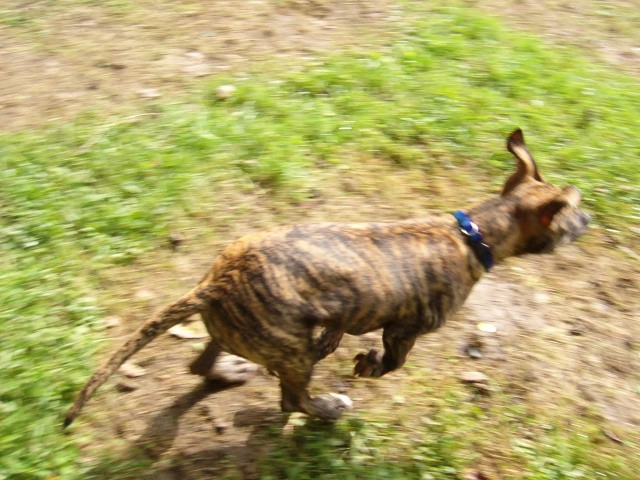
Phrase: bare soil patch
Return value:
(59, 60)
(608, 30)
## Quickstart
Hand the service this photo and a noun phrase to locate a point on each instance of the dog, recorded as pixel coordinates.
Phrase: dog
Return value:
(267, 292)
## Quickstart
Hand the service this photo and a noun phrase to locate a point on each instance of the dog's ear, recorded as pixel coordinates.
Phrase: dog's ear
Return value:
(526, 165)
(569, 197)
(547, 211)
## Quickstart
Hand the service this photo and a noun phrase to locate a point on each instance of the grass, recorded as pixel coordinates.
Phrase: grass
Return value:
(78, 199)
(450, 440)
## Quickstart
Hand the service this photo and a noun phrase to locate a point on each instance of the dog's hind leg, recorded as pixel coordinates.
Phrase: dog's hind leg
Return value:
(227, 369)
(205, 361)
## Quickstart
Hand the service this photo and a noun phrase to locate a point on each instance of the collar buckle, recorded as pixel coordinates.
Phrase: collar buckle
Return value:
(474, 238)
(473, 230)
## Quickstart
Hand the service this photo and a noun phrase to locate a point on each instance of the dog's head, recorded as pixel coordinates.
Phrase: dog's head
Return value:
(547, 215)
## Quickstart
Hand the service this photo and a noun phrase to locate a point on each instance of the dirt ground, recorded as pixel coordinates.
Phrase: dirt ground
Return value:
(566, 324)
(60, 60)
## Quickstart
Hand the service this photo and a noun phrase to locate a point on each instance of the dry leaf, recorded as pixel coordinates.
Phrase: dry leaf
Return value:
(132, 370)
(487, 327)
(193, 330)
(112, 321)
(473, 377)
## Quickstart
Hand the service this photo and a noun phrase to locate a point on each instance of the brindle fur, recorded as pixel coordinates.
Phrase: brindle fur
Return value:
(266, 292)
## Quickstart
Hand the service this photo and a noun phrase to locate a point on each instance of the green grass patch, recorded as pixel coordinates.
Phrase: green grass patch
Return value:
(81, 198)
(450, 439)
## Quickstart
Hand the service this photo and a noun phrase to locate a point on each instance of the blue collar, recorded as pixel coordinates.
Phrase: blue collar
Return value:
(474, 239)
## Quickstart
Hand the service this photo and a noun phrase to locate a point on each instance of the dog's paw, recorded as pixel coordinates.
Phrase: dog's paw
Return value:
(230, 369)
(346, 401)
(329, 406)
(368, 365)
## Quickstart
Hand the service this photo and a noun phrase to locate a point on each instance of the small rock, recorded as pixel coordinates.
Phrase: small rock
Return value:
(473, 352)
(221, 428)
(482, 388)
(542, 297)
(143, 294)
(600, 307)
(175, 239)
(197, 70)
(132, 370)
(224, 92)
(112, 321)
(195, 55)
(473, 377)
(149, 93)
(125, 386)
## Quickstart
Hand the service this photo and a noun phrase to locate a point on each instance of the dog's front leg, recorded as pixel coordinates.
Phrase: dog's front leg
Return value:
(326, 343)
(397, 343)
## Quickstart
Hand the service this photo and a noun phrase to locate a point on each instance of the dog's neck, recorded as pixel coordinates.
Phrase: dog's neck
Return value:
(497, 221)
(475, 239)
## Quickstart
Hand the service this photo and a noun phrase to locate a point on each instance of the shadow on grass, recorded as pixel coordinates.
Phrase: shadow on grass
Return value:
(278, 446)
(156, 440)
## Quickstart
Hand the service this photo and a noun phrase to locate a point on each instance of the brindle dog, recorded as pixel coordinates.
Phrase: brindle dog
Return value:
(267, 292)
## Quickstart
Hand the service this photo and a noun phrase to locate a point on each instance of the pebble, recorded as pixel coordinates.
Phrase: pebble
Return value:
(224, 92)
(148, 93)
(482, 388)
(221, 428)
(143, 294)
(473, 377)
(474, 352)
(197, 70)
(176, 239)
(132, 370)
(125, 386)
(112, 321)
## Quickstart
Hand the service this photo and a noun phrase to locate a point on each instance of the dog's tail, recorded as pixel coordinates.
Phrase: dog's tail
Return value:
(192, 302)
